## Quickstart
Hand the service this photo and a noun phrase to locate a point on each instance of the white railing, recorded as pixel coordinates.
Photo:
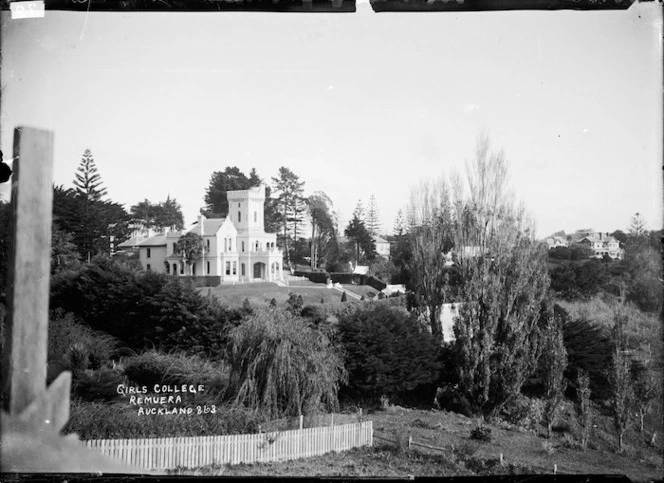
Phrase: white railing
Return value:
(195, 452)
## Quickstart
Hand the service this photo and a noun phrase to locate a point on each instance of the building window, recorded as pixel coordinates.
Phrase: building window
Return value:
(208, 245)
(234, 268)
(255, 217)
(242, 246)
(174, 248)
(182, 269)
(175, 269)
(238, 205)
(230, 244)
(242, 267)
(148, 267)
(228, 268)
(239, 217)
(225, 244)
(148, 253)
(168, 268)
(193, 269)
(208, 268)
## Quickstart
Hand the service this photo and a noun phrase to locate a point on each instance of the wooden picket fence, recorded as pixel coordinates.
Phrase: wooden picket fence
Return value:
(195, 452)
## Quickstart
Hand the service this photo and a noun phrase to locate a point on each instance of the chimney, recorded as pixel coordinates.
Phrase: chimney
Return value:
(201, 219)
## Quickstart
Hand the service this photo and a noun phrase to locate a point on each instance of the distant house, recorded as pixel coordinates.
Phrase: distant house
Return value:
(555, 242)
(448, 315)
(602, 244)
(466, 252)
(382, 247)
(235, 248)
(390, 290)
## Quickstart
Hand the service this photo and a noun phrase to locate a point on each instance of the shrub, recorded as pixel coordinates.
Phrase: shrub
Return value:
(481, 433)
(451, 399)
(282, 367)
(524, 412)
(387, 352)
(142, 308)
(99, 385)
(153, 367)
(94, 420)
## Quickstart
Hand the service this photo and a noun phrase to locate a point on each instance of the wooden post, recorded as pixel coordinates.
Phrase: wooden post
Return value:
(555, 469)
(301, 421)
(410, 442)
(24, 354)
(33, 415)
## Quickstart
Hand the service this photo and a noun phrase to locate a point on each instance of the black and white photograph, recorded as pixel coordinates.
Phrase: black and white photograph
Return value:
(330, 240)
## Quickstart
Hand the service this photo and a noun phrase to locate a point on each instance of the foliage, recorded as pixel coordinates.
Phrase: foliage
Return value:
(74, 346)
(343, 297)
(365, 247)
(87, 182)
(373, 216)
(524, 412)
(430, 237)
(388, 353)
(64, 255)
(619, 378)
(481, 433)
(279, 366)
(295, 303)
(90, 221)
(290, 204)
(97, 420)
(142, 308)
(165, 214)
(155, 367)
(554, 362)
(647, 388)
(399, 224)
(584, 409)
(98, 385)
(644, 266)
(579, 281)
(323, 231)
(190, 246)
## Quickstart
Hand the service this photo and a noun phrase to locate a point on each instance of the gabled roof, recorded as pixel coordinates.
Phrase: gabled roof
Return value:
(378, 239)
(154, 241)
(210, 226)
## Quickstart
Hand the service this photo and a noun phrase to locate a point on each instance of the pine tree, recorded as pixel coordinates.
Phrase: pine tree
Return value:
(637, 226)
(88, 181)
(359, 212)
(399, 224)
(291, 206)
(373, 217)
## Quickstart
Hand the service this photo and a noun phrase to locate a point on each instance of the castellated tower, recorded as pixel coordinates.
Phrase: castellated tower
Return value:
(245, 209)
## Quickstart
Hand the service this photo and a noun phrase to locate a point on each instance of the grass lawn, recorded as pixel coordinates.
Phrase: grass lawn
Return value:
(260, 294)
(523, 452)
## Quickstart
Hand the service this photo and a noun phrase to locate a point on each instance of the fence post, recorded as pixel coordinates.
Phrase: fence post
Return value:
(555, 469)
(332, 419)
(410, 441)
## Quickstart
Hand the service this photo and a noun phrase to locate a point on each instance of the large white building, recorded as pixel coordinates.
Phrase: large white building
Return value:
(235, 248)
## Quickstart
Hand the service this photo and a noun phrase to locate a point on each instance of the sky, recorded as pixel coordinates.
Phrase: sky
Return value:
(354, 104)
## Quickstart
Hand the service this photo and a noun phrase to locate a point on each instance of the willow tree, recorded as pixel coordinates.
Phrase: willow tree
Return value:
(504, 284)
(282, 367)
